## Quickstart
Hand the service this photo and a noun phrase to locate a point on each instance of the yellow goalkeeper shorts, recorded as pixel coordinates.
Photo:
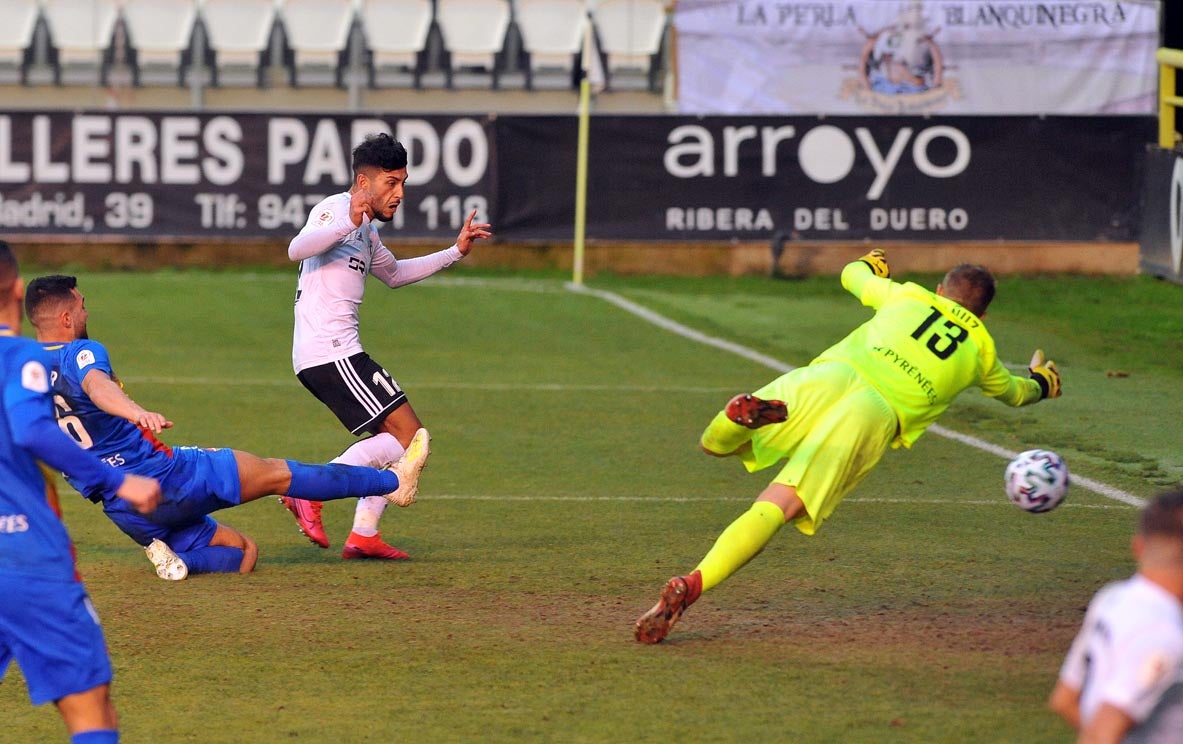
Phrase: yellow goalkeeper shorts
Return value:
(838, 428)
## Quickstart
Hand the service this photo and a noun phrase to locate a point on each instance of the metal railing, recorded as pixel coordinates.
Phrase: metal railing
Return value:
(1169, 61)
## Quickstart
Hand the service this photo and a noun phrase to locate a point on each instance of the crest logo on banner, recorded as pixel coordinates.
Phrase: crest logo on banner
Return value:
(901, 69)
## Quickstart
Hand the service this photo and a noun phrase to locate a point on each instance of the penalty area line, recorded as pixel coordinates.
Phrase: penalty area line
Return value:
(668, 324)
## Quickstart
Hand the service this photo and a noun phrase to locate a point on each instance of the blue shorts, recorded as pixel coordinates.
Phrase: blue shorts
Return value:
(51, 629)
(200, 481)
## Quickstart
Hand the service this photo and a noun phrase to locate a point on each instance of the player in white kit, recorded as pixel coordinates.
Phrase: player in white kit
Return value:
(337, 248)
(1122, 680)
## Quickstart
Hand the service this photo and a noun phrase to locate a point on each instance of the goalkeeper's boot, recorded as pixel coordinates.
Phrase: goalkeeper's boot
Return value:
(679, 593)
(307, 514)
(358, 546)
(408, 467)
(169, 565)
(753, 412)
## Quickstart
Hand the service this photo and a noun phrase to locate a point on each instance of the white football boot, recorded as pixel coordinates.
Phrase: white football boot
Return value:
(408, 467)
(169, 565)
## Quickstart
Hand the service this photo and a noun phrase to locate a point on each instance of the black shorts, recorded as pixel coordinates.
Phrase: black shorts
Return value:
(357, 390)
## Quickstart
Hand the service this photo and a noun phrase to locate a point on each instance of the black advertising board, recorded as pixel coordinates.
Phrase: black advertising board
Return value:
(667, 178)
(223, 175)
(888, 178)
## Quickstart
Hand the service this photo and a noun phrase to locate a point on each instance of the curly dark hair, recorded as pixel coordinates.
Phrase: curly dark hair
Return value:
(380, 151)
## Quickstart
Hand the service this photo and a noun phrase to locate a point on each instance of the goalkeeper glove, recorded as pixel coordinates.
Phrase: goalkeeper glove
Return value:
(1045, 373)
(877, 260)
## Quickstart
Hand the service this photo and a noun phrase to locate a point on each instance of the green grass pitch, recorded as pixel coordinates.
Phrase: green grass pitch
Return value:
(566, 486)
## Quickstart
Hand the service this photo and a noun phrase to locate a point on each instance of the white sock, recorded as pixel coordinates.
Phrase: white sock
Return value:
(369, 511)
(376, 452)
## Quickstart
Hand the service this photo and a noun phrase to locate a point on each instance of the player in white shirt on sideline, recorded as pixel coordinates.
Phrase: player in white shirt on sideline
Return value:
(337, 249)
(1122, 680)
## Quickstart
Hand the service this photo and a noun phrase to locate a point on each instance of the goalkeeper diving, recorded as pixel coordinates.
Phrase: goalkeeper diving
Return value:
(879, 387)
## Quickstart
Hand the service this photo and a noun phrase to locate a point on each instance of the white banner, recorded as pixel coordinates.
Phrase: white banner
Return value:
(996, 57)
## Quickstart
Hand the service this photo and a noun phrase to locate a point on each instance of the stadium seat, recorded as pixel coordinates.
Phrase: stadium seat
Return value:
(318, 34)
(16, 37)
(238, 33)
(473, 34)
(396, 34)
(630, 33)
(552, 35)
(81, 32)
(159, 31)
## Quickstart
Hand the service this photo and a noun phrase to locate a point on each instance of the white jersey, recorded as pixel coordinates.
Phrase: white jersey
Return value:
(335, 257)
(1129, 654)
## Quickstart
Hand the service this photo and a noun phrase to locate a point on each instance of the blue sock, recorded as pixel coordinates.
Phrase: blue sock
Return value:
(96, 736)
(213, 559)
(335, 481)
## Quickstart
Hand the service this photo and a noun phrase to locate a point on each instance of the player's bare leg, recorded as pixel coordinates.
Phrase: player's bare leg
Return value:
(232, 538)
(402, 423)
(90, 710)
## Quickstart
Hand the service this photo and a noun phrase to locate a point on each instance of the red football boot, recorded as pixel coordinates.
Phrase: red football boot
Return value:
(358, 546)
(307, 514)
(678, 593)
(753, 412)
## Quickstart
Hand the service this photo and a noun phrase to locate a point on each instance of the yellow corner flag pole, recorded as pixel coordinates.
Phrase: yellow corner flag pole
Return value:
(590, 68)
(581, 182)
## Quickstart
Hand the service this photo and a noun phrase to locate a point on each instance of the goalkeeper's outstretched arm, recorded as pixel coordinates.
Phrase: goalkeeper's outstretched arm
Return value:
(1043, 381)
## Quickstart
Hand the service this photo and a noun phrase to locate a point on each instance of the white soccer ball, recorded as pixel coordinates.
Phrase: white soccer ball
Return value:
(1037, 480)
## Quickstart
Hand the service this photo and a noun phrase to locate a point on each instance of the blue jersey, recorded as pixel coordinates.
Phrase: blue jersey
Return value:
(33, 540)
(115, 440)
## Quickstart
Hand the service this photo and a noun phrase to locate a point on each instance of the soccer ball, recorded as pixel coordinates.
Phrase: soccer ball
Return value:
(1037, 480)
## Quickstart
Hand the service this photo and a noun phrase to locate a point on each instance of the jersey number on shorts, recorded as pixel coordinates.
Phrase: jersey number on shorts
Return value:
(941, 344)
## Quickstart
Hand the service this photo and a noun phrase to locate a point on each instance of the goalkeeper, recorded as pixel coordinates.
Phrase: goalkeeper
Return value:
(881, 386)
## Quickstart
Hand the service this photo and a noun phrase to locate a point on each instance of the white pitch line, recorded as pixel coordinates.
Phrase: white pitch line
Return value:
(1103, 489)
(531, 386)
(740, 499)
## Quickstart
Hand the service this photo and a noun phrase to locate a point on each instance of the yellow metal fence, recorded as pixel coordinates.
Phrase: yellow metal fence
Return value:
(1169, 61)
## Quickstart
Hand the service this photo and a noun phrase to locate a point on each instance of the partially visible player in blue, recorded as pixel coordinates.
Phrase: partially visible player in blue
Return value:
(47, 622)
(180, 537)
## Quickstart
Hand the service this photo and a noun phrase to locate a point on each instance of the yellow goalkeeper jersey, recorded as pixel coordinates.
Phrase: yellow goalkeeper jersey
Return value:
(920, 350)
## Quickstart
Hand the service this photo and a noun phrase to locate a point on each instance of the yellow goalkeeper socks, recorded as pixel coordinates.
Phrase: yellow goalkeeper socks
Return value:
(723, 436)
(740, 542)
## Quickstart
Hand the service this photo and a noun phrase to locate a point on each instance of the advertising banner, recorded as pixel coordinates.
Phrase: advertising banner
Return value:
(147, 176)
(214, 175)
(839, 178)
(998, 57)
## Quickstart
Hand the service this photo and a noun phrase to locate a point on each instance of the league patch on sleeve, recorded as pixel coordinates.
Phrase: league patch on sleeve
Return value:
(34, 377)
(1153, 670)
(84, 359)
(325, 217)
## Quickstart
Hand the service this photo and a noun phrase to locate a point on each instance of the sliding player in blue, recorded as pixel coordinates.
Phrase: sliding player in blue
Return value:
(47, 622)
(180, 537)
